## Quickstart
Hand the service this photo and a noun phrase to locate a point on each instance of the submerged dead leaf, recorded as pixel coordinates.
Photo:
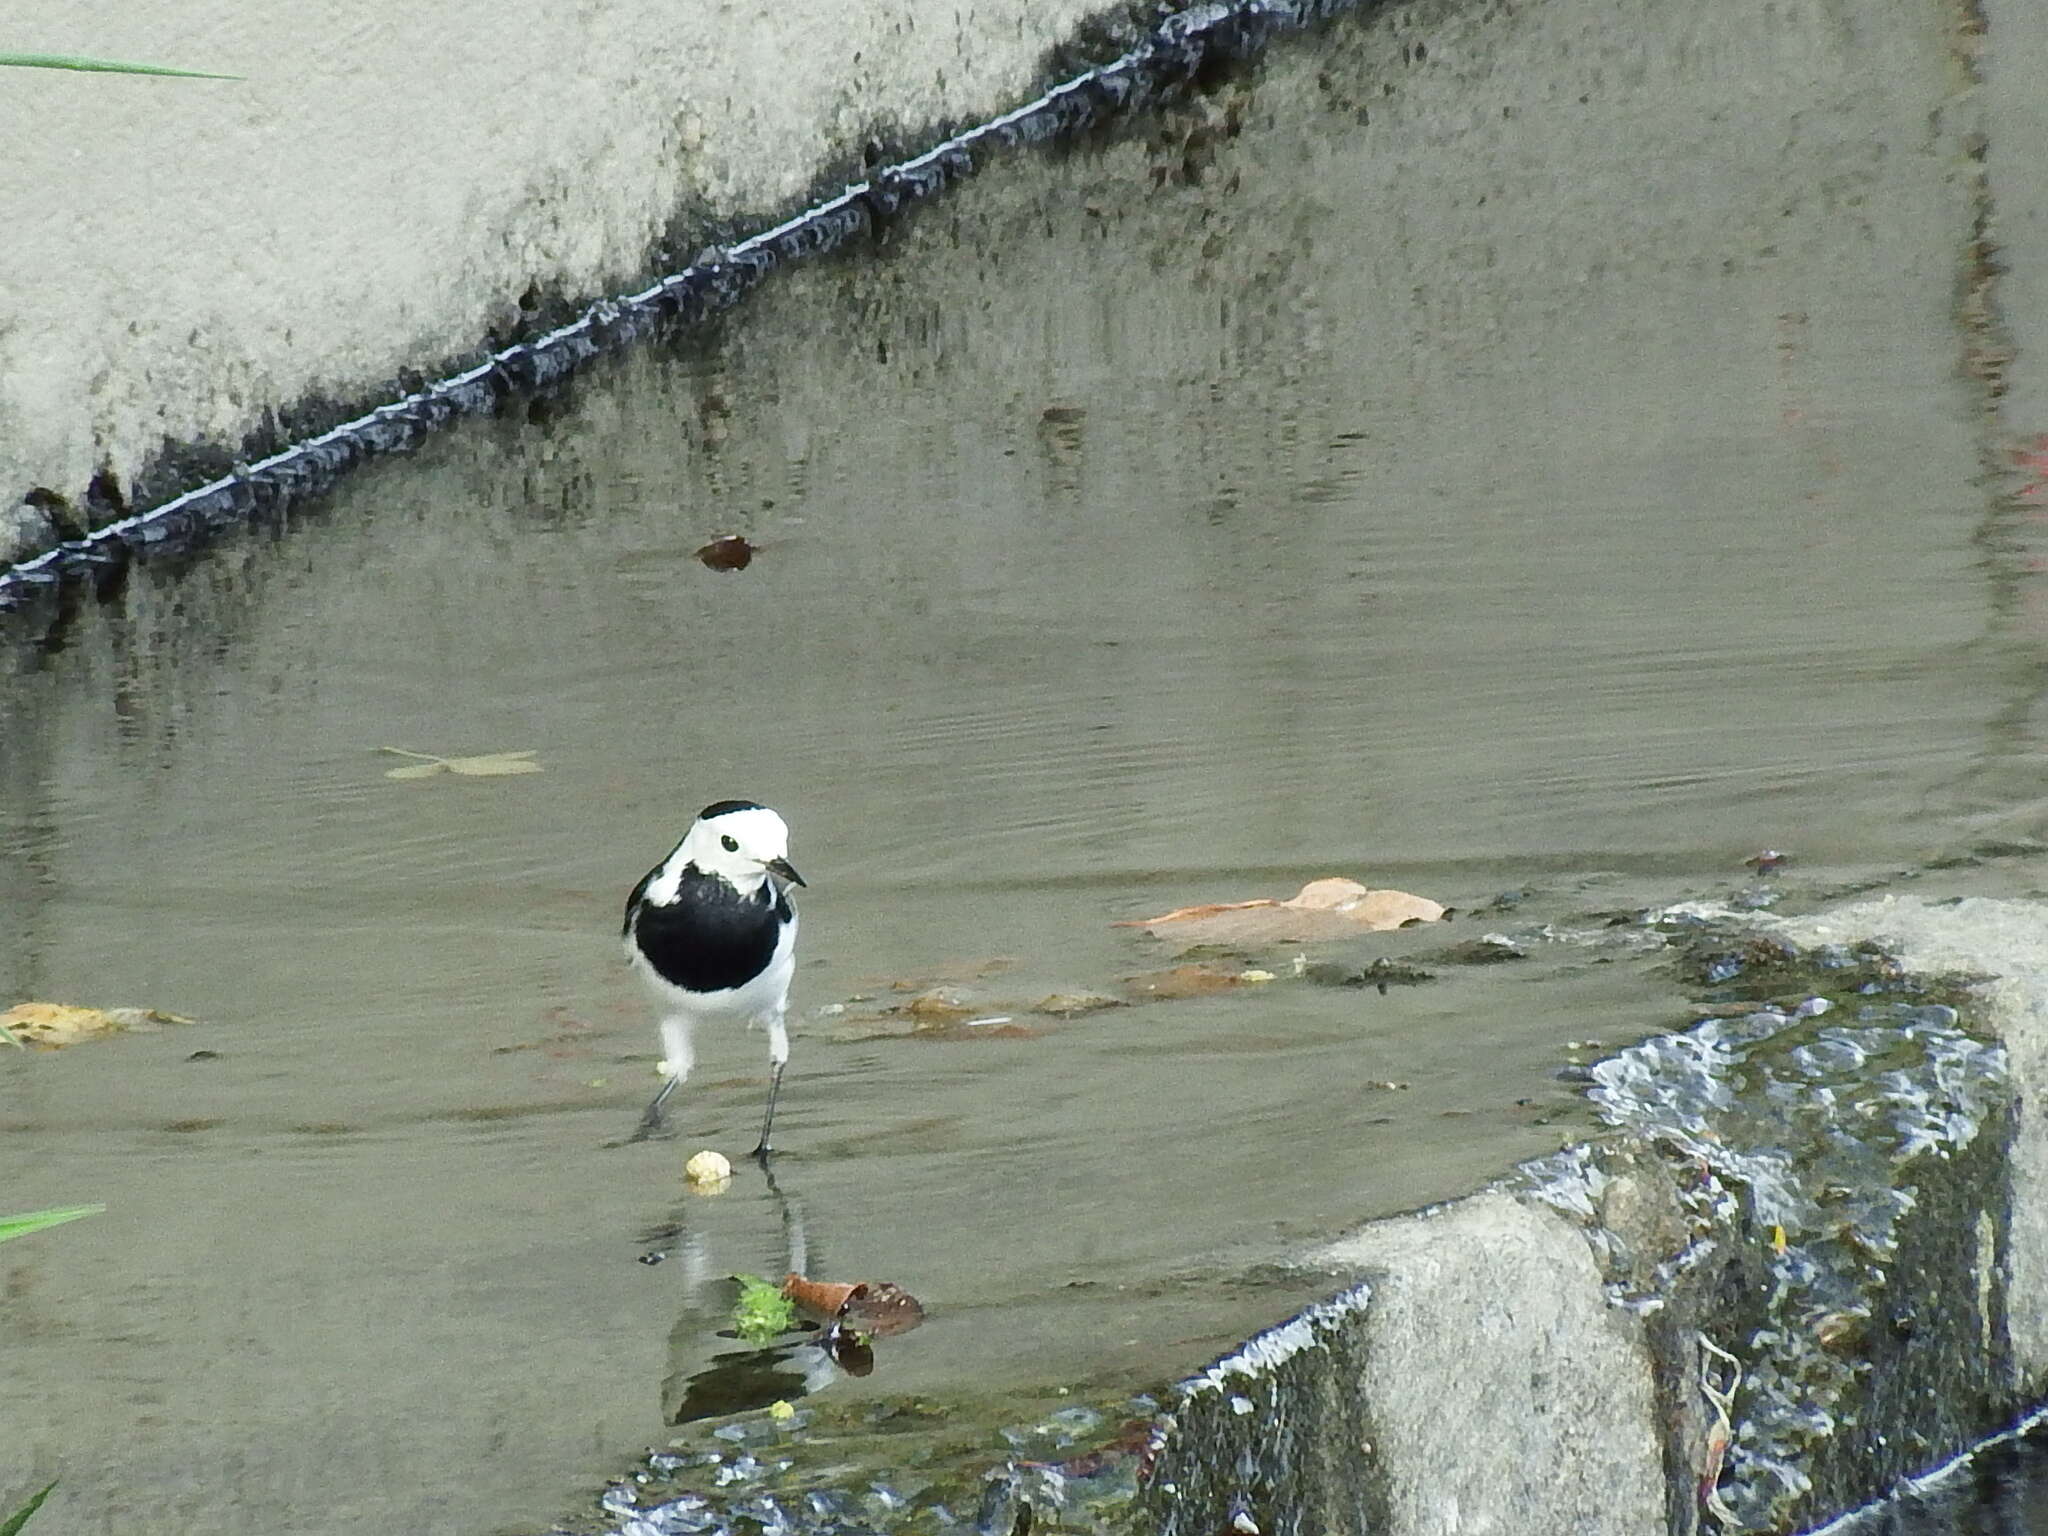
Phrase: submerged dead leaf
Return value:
(1068, 1005)
(936, 1007)
(53, 1026)
(995, 1026)
(727, 552)
(1323, 909)
(1183, 981)
(955, 1012)
(484, 766)
(944, 974)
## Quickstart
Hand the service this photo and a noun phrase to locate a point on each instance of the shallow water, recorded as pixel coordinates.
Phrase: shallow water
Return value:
(1126, 541)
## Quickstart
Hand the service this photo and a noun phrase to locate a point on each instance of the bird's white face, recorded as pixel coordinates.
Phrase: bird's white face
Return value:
(738, 845)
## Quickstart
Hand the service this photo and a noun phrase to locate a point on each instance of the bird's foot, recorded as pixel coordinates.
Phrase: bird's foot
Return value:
(652, 1127)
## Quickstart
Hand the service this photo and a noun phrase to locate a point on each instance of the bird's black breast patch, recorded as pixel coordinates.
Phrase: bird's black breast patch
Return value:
(710, 937)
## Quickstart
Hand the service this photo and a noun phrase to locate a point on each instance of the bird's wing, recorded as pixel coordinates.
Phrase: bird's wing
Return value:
(633, 900)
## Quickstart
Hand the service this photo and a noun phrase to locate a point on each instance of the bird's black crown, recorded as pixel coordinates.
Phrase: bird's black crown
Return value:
(725, 807)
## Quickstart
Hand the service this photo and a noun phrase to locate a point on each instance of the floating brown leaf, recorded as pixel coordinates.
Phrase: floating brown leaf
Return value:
(1323, 909)
(55, 1025)
(727, 552)
(884, 1309)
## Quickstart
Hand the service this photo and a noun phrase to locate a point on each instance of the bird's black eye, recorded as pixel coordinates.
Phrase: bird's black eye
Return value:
(731, 844)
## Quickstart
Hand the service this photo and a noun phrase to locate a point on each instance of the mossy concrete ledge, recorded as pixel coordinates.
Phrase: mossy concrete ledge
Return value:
(1808, 1265)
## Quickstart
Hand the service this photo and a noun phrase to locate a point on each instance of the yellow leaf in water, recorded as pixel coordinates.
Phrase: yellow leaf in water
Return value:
(55, 1025)
(493, 763)
(483, 766)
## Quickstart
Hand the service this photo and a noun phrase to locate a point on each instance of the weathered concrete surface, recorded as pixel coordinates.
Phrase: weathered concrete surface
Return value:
(1538, 1349)
(1807, 1269)
(383, 191)
(187, 256)
(2012, 115)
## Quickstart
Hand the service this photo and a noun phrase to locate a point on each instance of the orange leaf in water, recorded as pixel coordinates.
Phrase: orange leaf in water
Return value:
(1323, 909)
(821, 1298)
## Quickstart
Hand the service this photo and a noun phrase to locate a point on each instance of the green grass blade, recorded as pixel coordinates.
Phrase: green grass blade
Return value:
(14, 1522)
(35, 1221)
(8, 1035)
(105, 66)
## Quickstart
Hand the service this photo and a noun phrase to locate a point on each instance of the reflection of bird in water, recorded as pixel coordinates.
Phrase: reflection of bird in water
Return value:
(712, 932)
(742, 1378)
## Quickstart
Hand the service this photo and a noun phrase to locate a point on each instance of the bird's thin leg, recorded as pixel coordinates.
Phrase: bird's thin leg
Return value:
(778, 1054)
(675, 1042)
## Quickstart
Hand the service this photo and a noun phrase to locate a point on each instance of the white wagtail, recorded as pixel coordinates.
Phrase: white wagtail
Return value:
(712, 932)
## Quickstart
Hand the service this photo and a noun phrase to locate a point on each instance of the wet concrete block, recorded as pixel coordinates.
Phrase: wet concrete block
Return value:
(1804, 1269)
(1487, 1329)
(1477, 1380)
(2004, 945)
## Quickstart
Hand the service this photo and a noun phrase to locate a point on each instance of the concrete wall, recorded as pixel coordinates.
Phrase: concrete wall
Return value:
(384, 186)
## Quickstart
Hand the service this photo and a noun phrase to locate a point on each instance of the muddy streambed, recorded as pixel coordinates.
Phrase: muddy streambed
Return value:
(1149, 528)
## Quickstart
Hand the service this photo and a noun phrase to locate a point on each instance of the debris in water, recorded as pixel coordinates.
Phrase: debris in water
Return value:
(727, 552)
(1487, 949)
(1201, 979)
(52, 1026)
(762, 1312)
(709, 1172)
(941, 1005)
(1067, 1005)
(879, 1308)
(1382, 974)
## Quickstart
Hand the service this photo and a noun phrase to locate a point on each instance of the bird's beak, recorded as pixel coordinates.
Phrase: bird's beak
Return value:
(782, 869)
